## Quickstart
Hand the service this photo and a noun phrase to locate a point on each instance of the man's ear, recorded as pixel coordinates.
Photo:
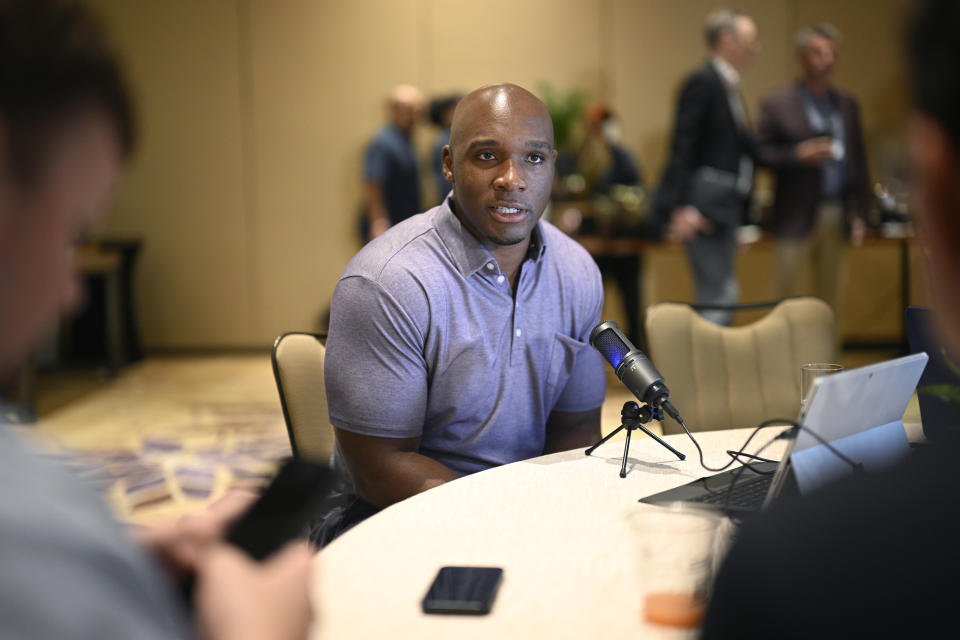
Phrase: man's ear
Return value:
(447, 161)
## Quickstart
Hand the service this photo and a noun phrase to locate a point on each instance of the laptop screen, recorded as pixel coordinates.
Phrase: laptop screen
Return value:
(859, 412)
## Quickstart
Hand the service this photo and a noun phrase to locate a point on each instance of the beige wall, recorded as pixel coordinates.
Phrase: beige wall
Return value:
(255, 113)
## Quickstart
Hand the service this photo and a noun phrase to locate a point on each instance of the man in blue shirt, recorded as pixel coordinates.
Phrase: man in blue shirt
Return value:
(458, 339)
(390, 174)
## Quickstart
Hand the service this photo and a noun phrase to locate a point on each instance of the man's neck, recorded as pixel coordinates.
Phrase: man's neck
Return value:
(727, 70)
(817, 86)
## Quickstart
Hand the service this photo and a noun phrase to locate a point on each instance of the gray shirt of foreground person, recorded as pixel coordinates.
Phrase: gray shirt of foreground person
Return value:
(69, 569)
(428, 340)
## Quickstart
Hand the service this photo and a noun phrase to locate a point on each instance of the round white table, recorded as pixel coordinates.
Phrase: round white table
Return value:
(555, 524)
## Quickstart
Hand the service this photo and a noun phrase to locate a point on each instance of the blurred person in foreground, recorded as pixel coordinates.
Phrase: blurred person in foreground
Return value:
(873, 556)
(391, 177)
(705, 189)
(441, 115)
(811, 137)
(70, 570)
(459, 339)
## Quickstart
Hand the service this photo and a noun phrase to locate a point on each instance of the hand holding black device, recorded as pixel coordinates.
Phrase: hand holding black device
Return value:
(463, 590)
(284, 510)
(281, 513)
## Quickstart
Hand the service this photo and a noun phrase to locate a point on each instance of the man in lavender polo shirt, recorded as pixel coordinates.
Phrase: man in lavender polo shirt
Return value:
(458, 339)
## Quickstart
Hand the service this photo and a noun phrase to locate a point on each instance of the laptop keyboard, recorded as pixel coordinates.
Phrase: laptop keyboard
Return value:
(746, 494)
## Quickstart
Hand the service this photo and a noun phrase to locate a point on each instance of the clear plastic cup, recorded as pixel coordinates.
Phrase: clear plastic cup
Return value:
(678, 550)
(812, 371)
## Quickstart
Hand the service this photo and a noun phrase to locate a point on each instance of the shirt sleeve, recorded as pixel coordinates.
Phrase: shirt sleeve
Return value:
(376, 162)
(587, 385)
(374, 369)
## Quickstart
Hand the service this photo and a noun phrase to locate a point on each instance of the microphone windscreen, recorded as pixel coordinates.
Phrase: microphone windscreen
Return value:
(610, 342)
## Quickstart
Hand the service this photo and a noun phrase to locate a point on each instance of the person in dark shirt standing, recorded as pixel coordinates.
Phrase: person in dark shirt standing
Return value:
(390, 174)
(705, 189)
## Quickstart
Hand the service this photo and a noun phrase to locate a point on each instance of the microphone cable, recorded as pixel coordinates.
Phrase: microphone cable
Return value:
(791, 432)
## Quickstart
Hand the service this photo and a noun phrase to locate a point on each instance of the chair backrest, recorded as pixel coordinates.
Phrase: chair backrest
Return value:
(298, 369)
(727, 377)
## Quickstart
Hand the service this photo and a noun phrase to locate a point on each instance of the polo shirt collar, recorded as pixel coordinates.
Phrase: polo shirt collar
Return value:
(469, 253)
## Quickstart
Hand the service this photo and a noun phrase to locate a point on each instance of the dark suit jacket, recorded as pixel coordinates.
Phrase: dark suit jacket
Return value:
(783, 124)
(872, 556)
(705, 134)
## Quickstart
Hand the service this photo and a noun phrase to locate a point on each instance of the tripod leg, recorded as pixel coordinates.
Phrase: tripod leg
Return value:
(626, 452)
(657, 438)
(607, 437)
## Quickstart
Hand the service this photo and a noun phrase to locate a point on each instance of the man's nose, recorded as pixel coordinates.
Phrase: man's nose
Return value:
(510, 178)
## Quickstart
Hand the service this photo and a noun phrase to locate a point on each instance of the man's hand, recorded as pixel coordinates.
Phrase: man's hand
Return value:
(814, 151)
(686, 222)
(237, 598)
(181, 545)
(858, 231)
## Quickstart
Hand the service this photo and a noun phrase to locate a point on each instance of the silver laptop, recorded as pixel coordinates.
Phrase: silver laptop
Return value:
(858, 412)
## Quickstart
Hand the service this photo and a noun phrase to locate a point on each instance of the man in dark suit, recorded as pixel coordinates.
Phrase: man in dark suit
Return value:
(873, 556)
(810, 136)
(706, 185)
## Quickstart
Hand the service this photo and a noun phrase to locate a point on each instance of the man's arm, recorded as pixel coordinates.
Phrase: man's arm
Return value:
(388, 470)
(776, 150)
(861, 188)
(688, 130)
(378, 218)
(566, 430)
(672, 207)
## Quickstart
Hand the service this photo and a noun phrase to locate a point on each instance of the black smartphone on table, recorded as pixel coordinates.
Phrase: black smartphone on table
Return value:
(463, 590)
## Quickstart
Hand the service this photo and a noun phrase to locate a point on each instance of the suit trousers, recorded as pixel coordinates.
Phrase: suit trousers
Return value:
(824, 251)
(713, 260)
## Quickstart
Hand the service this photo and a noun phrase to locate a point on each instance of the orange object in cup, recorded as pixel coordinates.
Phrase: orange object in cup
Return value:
(677, 550)
(674, 609)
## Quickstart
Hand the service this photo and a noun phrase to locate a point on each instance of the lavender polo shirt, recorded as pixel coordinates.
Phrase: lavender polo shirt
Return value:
(426, 339)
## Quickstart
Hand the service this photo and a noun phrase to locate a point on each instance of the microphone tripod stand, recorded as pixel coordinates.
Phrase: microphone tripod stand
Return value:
(633, 416)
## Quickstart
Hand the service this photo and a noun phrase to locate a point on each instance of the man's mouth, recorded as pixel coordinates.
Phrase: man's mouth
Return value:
(507, 212)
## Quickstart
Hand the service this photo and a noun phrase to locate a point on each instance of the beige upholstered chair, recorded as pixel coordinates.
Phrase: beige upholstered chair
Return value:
(298, 370)
(727, 377)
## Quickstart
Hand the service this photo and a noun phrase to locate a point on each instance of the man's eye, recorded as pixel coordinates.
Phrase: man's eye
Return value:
(535, 158)
(485, 155)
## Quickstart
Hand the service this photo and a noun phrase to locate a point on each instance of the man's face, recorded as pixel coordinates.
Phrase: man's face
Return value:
(41, 224)
(745, 43)
(405, 114)
(501, 163)
(819, 58)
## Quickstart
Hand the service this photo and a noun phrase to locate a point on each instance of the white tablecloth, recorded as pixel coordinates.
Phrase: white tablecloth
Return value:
(556, 525)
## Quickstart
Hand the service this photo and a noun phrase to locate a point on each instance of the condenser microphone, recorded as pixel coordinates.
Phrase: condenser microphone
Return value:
(632, 367)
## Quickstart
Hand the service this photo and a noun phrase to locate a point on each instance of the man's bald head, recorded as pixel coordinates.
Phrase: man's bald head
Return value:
(500, 161)
(405, 102)
(502, 102)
